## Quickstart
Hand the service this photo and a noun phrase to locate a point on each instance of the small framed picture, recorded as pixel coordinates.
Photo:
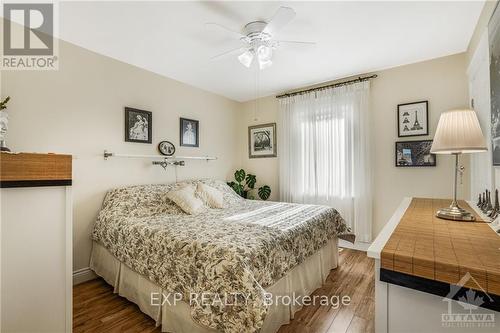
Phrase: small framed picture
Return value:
(190, 132)
(138, 125)
(415, 154)
(413, 119)
(262, 141)
(166, 148)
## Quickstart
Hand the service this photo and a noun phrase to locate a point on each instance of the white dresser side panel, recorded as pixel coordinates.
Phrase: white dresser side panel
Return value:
(33, 258)
(413, 311)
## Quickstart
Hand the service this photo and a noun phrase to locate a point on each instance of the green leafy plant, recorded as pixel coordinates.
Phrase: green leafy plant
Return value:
(3, 104)
(264, 192)
(244, 185)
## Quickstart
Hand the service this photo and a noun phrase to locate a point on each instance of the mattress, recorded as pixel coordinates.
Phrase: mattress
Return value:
(175, 317)
(229, 255)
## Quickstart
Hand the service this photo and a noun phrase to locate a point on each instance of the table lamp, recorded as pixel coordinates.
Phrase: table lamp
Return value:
(458, 132)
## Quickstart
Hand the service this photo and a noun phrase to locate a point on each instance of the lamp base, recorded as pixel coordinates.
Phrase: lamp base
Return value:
(455, 213)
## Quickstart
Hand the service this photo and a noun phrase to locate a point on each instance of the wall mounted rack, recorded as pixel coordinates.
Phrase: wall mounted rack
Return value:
(108, 154)
(162, 160)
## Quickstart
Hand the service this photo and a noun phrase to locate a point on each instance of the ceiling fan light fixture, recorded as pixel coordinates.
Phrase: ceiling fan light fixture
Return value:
(259, 39)
(263, 64)
(264, 52)
(246, 58)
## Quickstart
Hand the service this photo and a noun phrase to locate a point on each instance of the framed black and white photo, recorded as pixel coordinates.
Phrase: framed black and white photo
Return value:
(262, 140)
(189, 130)
(413, 119)
(494, 42)
(138, 125)
(415, 154)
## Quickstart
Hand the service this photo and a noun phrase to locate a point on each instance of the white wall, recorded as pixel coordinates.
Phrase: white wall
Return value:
(481, 27)
(441, 81)
(79, 109)
(478, 73)
(484, 174)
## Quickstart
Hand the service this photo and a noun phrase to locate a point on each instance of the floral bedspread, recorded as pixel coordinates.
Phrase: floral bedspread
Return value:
(235, 252)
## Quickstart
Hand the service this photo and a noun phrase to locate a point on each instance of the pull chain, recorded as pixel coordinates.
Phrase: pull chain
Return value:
(461, 171)
(256, 93)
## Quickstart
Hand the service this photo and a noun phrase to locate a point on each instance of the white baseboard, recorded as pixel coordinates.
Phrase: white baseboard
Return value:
(83, 275)
(361, 246)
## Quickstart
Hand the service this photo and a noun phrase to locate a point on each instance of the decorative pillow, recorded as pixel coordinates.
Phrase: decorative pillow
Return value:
(185, 198)
(211, 196)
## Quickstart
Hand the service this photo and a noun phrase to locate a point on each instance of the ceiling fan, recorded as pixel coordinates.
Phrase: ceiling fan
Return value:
(259, 40)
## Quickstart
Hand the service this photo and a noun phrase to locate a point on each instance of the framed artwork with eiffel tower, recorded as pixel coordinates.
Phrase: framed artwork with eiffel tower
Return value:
(413, 119)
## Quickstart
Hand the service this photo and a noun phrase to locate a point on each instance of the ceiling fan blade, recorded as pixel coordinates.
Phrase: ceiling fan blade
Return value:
(236, 34)
(232, 51)
(295, 42)
(282, 16)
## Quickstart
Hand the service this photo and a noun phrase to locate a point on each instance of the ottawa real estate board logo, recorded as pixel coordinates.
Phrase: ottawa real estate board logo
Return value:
(471, 315)
(28, 37)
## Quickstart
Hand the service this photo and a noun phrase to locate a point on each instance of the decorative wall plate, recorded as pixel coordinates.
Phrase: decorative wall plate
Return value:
(166, 148)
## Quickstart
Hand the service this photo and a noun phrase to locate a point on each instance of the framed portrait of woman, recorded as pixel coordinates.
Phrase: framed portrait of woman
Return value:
(189, 130)
(138, 125)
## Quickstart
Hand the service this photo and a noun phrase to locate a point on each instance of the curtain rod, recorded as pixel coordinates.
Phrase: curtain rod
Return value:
(333, 85)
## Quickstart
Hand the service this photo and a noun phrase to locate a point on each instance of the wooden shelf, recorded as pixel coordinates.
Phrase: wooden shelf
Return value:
(31, 169)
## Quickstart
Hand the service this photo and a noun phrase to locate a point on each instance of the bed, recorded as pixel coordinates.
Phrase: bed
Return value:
(219, 270)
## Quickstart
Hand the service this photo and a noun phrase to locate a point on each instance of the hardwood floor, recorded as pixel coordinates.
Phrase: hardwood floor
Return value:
(97, 309)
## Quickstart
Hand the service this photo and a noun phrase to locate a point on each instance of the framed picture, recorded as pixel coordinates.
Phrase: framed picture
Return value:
(166, 148)
(415, 154)
(262, 141)
(190, 132)
(413, 119)
(494, 42)
(138, 125)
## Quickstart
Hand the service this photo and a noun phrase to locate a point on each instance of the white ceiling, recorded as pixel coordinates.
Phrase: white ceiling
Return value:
(171, 39)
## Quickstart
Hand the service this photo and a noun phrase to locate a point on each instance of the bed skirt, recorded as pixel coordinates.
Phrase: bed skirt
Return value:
(301, 281)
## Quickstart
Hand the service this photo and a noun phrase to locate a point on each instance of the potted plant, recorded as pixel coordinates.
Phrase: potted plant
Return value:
(245, 185)
(4, 123)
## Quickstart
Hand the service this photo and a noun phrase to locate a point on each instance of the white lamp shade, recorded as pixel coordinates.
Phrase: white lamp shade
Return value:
(246, 58)
(458, 131)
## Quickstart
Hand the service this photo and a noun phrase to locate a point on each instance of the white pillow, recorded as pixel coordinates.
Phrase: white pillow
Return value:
(185, 198)
(211, 196)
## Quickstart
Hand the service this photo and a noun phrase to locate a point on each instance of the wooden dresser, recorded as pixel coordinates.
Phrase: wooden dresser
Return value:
(36, 242)
(30, 170)
(426, 264)
(423, 245)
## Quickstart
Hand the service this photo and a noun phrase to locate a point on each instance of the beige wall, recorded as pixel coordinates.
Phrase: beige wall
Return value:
(440, 81)
(79, 110)
(262, 111)
(443, 83)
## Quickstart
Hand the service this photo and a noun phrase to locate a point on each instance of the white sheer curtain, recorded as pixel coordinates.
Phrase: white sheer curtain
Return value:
(325, 153)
